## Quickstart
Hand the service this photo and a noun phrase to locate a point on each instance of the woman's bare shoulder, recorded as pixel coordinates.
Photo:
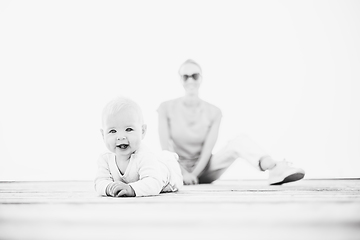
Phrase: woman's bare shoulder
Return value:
(211, 106)
(169, 103)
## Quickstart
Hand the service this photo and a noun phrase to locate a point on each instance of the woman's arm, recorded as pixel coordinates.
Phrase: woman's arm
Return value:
(165, 141)
(163, 129)
(208, 146)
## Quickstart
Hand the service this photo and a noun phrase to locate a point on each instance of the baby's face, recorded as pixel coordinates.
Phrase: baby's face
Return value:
(123, 132)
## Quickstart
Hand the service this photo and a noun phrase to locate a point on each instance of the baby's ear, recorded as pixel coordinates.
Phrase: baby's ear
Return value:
(144, 128)
(102, 133)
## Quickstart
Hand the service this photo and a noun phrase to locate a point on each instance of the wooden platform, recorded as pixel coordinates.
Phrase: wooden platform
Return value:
(248, 209)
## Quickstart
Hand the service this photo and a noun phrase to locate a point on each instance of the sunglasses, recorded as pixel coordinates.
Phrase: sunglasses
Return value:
(195, 76)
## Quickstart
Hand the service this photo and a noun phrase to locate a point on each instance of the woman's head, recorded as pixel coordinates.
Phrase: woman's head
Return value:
(190, 76)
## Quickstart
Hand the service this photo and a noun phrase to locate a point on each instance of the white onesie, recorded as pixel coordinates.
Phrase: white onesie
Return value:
(148, 173)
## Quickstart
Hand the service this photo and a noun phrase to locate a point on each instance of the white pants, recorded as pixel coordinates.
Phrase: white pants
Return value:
(240, 147)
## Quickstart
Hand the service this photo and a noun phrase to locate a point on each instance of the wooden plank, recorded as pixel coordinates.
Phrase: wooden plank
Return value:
(311, 209)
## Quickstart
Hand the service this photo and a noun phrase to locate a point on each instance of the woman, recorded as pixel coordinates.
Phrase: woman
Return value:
(189, 126)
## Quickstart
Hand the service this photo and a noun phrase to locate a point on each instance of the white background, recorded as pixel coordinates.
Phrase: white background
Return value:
(287, 73)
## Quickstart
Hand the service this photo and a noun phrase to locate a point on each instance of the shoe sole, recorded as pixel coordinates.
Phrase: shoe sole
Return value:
(292, 178)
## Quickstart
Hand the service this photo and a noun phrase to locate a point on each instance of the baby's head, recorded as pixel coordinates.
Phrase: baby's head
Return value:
(123, 126)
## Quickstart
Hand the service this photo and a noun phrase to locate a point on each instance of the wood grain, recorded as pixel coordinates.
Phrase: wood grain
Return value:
(246, 209)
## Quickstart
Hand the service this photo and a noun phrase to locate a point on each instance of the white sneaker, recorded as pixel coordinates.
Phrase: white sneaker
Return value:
(284, 173)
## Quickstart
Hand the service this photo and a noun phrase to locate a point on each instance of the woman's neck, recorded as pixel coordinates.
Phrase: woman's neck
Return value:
(191, 101)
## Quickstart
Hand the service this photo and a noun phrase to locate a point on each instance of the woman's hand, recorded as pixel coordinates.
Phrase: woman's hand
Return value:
(190, 179)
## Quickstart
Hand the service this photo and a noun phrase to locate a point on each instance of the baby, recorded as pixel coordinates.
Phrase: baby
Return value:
(130, 169)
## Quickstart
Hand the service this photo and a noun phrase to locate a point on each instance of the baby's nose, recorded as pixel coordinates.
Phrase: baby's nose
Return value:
(121, 138)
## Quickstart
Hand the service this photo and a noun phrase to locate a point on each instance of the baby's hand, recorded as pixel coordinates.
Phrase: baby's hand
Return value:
(120, 189)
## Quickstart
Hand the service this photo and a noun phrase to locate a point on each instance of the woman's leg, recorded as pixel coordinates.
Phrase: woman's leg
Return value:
(243, 147)
(240, 147)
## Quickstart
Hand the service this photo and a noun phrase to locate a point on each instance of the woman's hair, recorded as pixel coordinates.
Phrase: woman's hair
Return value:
(190, 61)
(119, 103)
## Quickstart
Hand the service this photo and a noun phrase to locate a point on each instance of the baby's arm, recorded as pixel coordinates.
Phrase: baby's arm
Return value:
(103, 178)
(120, 189)
(152, 177)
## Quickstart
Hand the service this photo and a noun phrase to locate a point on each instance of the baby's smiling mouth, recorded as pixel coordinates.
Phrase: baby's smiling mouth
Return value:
(123, 146)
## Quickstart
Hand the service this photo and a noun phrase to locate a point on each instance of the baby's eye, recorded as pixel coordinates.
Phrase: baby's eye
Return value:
(112, 131)
(129, 129)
